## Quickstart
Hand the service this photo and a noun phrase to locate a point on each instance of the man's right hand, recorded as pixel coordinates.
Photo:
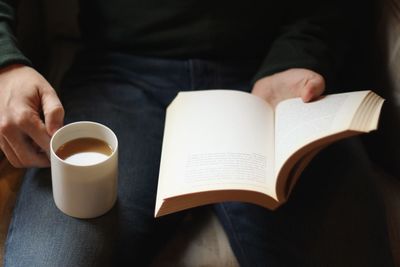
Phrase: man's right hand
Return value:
(25, 97)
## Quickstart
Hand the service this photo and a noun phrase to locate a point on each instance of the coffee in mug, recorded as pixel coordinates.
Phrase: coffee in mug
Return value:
(84, 151)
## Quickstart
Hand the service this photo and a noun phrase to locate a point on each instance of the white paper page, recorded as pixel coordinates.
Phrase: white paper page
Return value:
(299, 123)
(217, 139)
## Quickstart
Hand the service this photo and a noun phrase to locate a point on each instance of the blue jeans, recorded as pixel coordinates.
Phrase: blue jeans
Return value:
(333, 218)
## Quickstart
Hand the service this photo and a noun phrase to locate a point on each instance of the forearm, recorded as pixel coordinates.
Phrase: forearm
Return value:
(307, 40)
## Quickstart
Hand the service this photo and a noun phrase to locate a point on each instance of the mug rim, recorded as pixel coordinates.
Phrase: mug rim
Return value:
(114, 151)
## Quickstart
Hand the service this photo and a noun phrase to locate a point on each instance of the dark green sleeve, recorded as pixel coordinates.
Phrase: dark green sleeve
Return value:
(9, 51)
(306, 40)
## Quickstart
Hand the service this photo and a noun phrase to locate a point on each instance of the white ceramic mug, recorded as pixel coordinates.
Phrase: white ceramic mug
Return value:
(84, 191)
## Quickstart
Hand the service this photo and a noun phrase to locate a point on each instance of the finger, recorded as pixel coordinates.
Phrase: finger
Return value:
(52, 109)
(27, 155)
(264, 90)
(32, 126)
(9, 153)
(313, 88)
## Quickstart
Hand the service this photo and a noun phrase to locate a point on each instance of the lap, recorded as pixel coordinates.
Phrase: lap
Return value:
(334, 217)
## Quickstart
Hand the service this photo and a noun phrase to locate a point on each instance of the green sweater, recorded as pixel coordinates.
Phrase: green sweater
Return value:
(281, 34)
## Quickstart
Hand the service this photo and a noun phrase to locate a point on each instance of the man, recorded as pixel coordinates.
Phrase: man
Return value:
(137, 55)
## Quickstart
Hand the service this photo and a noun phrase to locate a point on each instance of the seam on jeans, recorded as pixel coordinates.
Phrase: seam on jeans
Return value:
(235, 235)
(191, 74)
(217, 75)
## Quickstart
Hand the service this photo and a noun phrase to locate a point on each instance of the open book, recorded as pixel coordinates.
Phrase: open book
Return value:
(224, 145)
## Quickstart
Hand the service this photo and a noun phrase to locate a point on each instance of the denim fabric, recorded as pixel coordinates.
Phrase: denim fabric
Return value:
(333, 211)
(334, 217)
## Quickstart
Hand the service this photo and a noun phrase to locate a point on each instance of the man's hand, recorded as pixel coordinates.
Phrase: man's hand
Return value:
(291, 83)
(25, 96)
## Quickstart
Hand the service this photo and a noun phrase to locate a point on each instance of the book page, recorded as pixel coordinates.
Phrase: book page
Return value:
(298, 124)
(217, 139)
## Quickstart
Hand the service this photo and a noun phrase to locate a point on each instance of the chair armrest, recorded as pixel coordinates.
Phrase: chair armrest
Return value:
(390, 188)
(10, 181)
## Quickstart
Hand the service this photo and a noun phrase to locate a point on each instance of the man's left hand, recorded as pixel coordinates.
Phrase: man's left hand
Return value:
(291, 83)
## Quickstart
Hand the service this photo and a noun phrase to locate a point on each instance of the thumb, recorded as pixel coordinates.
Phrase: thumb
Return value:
(52, 109)
(313, 87)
